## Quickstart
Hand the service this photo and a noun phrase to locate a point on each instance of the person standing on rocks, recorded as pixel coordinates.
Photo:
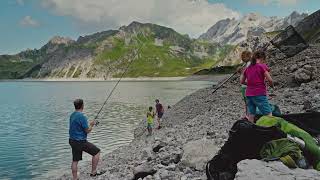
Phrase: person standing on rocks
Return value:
(150, 117)
(78, 131)
(245, 57)
(256, 91)
(159, 111)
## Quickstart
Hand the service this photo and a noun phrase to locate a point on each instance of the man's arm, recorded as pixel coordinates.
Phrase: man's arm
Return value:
(88, 130)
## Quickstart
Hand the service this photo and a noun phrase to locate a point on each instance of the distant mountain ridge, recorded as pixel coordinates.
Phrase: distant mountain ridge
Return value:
(232, 31)
(161, 52)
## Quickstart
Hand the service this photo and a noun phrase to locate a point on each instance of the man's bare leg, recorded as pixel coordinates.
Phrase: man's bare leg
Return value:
(74, 168)
(95, 161)
(159, 120)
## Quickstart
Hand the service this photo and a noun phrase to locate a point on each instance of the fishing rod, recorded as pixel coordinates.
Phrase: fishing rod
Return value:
(263, 48)
(226, 80)
(114, 88)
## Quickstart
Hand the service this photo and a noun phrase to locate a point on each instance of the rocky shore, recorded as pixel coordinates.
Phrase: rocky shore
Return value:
(197, 126)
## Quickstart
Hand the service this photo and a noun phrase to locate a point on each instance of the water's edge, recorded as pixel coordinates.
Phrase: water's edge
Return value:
(213, 78)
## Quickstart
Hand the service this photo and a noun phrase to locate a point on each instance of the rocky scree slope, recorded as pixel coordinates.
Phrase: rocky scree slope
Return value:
(155, 51)
(197, 126)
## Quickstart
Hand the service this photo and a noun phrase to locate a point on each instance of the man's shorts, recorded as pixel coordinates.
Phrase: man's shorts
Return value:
(260, 102)
(79, 146)
(160, 114)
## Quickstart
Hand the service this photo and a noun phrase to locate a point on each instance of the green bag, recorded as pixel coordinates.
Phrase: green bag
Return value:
(285, 150)
(311, 144)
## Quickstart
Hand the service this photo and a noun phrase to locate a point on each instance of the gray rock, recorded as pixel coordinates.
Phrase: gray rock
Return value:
(184, 178)
(260, 170)
(293, 68)
(148, 178)
(198, 153)
(158, 146)
(171, 167)
(303, 76)
(143, 171)
(164, 174)
(147, 153)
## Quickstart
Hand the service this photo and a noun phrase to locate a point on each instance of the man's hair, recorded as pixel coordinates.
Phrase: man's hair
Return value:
(258, 55)
(78, 103)
(157, 100)
(246, 56)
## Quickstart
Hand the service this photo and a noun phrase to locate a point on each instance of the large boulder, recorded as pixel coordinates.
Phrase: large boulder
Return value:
(305, 74)
(143, 171)
(260, 170)
(197, 153)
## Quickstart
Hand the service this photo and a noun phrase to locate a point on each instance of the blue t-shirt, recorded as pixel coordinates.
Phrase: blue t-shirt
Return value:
(77, 125)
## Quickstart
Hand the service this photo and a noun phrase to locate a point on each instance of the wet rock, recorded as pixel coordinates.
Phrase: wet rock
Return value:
(197, 153)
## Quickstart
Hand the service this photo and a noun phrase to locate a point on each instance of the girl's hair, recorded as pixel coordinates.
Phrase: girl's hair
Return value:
(258, 55)
(150, 108)
(246, 56)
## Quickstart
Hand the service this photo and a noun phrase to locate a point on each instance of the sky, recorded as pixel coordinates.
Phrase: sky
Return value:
(32, 23)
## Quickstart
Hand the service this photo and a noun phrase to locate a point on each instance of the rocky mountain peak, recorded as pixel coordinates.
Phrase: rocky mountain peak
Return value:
(233, 31)
(133, 27)
(56, 40)
(252, 17)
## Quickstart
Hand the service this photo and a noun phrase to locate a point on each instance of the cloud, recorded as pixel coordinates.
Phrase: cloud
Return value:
(28, 21)
(186, 16)
(20, 2)
(277, 2)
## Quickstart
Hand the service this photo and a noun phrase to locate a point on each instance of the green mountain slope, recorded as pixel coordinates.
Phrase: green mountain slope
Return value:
(160, 52)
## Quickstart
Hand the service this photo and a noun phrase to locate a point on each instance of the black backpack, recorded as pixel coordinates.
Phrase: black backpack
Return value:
(244, 142)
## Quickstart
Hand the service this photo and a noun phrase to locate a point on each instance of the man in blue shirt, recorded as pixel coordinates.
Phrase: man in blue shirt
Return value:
(78, 130)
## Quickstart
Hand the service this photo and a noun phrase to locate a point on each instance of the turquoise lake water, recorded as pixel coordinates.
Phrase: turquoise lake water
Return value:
(34, 119)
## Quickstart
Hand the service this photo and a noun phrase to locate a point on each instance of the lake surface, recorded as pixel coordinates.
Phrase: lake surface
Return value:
(34, 119)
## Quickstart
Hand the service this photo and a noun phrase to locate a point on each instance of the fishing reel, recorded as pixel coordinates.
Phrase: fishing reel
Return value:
(97, 123)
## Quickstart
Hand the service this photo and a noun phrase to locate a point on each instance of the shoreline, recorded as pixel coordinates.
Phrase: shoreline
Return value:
(213, 78)
(199, 124)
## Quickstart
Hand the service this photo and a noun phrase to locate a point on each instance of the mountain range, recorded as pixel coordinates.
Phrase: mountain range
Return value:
(150, 50)
(232, 31)
(156, 51)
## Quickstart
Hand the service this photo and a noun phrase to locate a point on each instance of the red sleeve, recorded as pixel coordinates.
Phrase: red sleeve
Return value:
(264, 68)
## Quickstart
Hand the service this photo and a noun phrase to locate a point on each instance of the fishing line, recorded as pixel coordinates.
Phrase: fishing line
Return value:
(114, 88)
